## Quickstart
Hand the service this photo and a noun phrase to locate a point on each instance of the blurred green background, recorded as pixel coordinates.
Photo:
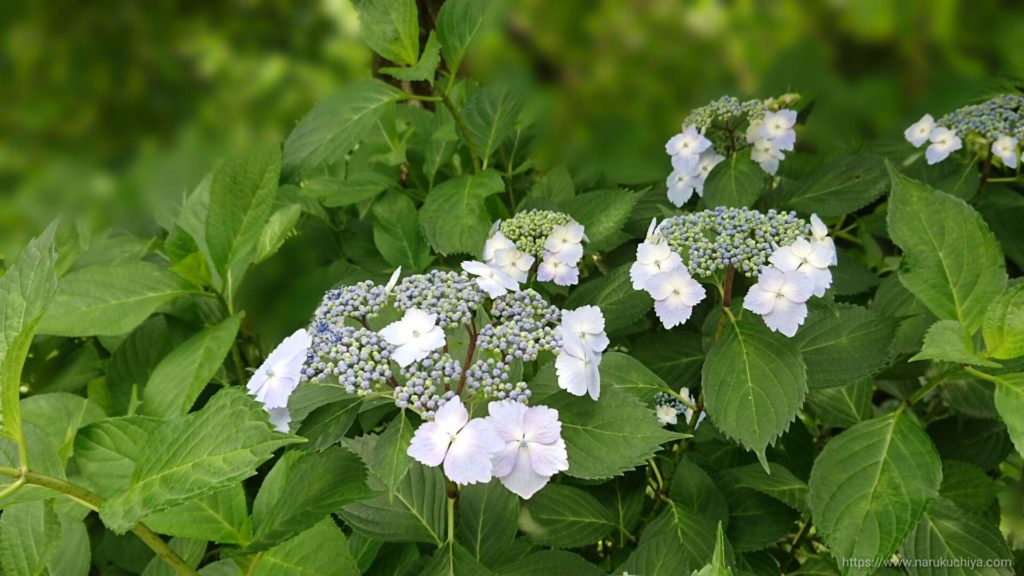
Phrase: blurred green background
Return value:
(110, 111)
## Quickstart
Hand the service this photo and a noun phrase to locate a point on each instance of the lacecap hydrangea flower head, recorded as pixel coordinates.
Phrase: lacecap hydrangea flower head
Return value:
(724, 127)
(787, 258)
(992, 129)
(448, 344)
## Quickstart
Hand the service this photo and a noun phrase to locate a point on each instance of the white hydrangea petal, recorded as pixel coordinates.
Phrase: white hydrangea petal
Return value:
(470, 453)
(758, 300)
(798, 286)
(503, 461)
(393, 281)
(507, 419)
(452, 416)
(396, 333)
(548, 459)
(577, 370)
(522, 480)
(496, 242)
(786, 317)
(918, 132)
(429, 444)
(666, 414)
(818, 228)
(407, 354)
(280, 418)
(672, 312)
(541, 424)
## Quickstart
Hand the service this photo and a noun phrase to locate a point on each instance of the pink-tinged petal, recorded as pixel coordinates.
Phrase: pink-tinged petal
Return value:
(429, 444)
(759, 301)
(507, 419)
(541, 424)
(469, 456)
(522, 480)
(548, 459)
(685, 163)
(452, 416)
(502, 462)
(280, 418)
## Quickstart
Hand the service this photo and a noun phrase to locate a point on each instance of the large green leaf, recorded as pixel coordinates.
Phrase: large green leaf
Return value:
(190, 551)
(29, 533)
(844, 344)
(843, 406)
(603, 213)
(675, 355)
(605, 438)
(839, 186)
(870, 485)
(951, 535)
(951, 260)
(391, 28)
(241, 199)
(459, 25)
(454, 560)
(460, 200)
(614, 294)
(657, 554)
(25, 291)
(490, 115)
(781, 484)
(71, 554)
(415, 513)
(625, 373)
(1003, 326)
(1010, 404)
(948, 341)
(106, 452)
(335, 126)
(565, 517)
(718, 565)
(179, 378)
(738, 181)
(195, 455)
(548, 562)
(966, 485)
(60, 415)
(320, 551)
(487, 520)
(304, 488)
(110, 299)
(219, 517)
(754, 383)
(396, 233)
(693, 532)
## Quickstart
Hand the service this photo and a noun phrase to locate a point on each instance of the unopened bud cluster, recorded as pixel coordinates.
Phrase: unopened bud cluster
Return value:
(356, 358)
(727, 111)
(529, 230)
(428, 384)
(453, 296)
(992, 119)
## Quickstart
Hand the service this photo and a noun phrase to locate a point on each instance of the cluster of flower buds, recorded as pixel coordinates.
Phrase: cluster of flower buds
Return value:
(789, 258)
(552, 238)
(713, 127)
(669, 408)
(996, 125)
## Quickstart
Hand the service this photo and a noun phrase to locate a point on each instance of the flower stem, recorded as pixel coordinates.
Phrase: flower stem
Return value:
(657, 474)
(451, 517)
(460, 121)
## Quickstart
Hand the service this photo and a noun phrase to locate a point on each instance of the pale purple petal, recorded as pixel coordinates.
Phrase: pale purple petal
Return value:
(452, 416)
(469, 456)
(522, 480)
(429, 444)
(548, 459)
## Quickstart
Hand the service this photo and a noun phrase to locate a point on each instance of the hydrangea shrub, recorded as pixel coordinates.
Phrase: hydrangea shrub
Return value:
(781, 360)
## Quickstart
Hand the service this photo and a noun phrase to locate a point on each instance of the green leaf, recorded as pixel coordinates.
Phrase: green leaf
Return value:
(754, 383)
(424, 69)
(622, 306)
(1000, 205)
(221, 517)
(966, 485)
(984, 443)
(694, 490)
(385, 454)
(71, 554)
(606, 438)
(948, 341)
(320, 551)
(391, 28)
(29, 533)
(1010, 404)
(329, 131)
(60, 416)
(110, 299)
(839, 186)
(190, 551)
(717, 566)
(951, 260)
(629, 375)
(461, 200)
(756, 521)
(327, 425)
(565, 517)
(396, 233)
(106, 452)
(1003, 326)
(302, 489)
(948, 533)
(781, 484)
(487, 520)
(603, 214)
(548, 562)
(844, 344)
(416, 513)
(843, 406)
(459, 25)
(551, 192)
(242, 193)
(737, 181)
(196, 454)
(675, 355)
(454, 560)
(657, 554)
(870, 485)
(357, 188)
(490, 115)
(277, 230)
(26, 290)
(691, 531)
(180, 377)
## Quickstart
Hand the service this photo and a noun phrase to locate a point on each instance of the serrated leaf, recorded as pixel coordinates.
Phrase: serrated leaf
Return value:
(327, 425)
(657, 554)
(949, 534)
(459, 25)
(60, 416)
(629, 375)
(737, 181)
(487, 520)
(756, 521)
(551, 192)
(106, 452)
(1003, 327)
(416, 513)
(870, 485)
(320, 551)
(397, 234)
(839, 186)
(948, 341)
(675, 355)
(844, 344)
(71, 554)
(614, 294)
(951, 260)
(221, 517)
(335, 126)
(547, 562)
(110, 299)
(424, 68)
(180, 376)
(304, 488)
(754, 383)
(454, 560)
(966, 485)
(461, 200)
(198, 454)
(718, 565)
(693, 532)
(565, 517)
(1010, 404)
(490, 114)
(391, 28)
(190, 551)
(279, 226)
(385, 454)
(984, 443)
(603, 213)
(29, 533)
(242, 194)
(843, 406)
(781, 484)
(694, 490)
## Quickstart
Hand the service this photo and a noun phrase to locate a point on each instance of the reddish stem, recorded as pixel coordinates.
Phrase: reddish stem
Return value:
(727, 289)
